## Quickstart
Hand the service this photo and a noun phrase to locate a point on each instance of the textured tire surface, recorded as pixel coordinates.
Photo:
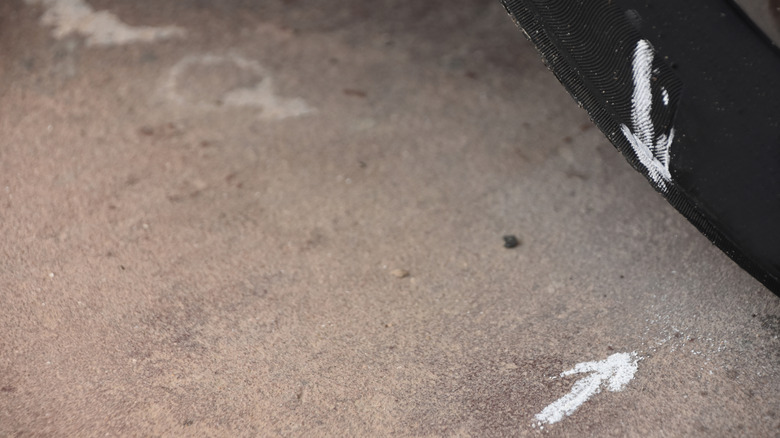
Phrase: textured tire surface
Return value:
(714, 101)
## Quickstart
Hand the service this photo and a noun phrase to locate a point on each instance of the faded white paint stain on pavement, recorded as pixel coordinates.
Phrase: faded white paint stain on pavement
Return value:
(100, 28)
(186, 85)
(616, 371)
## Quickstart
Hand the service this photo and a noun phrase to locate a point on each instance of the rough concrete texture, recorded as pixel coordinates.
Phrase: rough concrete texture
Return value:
(285, 219)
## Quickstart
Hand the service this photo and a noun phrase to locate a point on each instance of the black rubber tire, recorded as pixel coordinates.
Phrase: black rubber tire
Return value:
(689, 92)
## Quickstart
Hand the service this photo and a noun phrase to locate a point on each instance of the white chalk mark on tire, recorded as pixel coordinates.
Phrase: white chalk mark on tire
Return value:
(616, 371)
(259, 95)
(100, 28)
(653, 152)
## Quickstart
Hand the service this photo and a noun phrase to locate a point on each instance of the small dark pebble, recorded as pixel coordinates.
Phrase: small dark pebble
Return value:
(511, 241)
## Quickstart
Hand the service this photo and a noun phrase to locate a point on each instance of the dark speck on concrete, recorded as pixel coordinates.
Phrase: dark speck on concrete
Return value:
(511, 241)
(355, 92)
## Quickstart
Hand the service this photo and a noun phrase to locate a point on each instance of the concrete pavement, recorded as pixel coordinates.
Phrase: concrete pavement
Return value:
(206, 205)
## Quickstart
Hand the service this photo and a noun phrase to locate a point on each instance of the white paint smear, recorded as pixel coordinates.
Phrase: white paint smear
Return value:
(616, 370)
(260, 95)
(652, 151)
(99, 28)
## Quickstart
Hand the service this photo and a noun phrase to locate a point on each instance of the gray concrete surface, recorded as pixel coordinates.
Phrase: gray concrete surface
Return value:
(205, 206)
(766, 15)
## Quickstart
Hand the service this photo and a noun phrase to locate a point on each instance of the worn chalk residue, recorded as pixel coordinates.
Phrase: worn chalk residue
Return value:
(616, 371)
(243, 83)
(100, 28)
(651, 150)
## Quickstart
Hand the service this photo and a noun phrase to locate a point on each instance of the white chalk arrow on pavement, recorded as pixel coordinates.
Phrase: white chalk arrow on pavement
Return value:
(616, 371)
